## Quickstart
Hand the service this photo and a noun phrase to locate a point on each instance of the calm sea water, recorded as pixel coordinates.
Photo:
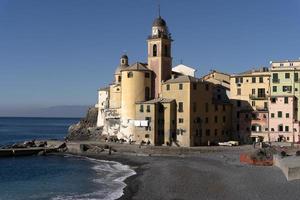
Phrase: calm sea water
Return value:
(54, 177)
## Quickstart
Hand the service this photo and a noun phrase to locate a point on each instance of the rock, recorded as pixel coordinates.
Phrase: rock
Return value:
(86, 128)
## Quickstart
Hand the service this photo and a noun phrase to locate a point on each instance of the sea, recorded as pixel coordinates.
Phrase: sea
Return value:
(55, 177)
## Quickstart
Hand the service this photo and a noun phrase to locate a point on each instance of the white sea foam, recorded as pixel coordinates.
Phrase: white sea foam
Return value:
(111, 176)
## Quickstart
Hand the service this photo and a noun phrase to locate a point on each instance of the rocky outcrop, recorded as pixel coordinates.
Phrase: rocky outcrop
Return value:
(86, 128)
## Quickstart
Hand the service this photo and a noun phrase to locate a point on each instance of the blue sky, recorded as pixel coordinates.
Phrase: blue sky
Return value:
(59, 52)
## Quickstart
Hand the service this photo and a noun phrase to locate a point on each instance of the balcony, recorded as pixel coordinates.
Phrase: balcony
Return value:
(275, 80)
(258, 97)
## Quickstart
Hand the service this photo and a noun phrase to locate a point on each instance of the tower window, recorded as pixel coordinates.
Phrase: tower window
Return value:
(147, 75)
(119, 78)
(129, 74)
(154, 50)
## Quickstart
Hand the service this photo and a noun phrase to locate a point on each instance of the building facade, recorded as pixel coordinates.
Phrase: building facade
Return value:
(155, 104)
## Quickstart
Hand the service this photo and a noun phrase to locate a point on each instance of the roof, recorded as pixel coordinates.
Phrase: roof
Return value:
(250, 72)
(182, 79)
(137, 67)
(216, 71)
(158, 100)
(283, 61)
(159, 22)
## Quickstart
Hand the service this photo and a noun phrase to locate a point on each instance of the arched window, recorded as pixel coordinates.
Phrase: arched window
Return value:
(154, 50)
(147, 93)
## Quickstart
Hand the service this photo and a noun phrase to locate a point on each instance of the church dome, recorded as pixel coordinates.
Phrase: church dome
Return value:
(159, 22)
(125, 56)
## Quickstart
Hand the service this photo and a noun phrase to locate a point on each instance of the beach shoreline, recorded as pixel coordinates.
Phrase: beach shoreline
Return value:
(209, 175)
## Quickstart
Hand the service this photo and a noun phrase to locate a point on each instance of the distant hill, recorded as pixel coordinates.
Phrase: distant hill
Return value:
(54, 111)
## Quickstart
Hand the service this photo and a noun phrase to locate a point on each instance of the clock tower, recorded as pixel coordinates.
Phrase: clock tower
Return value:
(159, 54)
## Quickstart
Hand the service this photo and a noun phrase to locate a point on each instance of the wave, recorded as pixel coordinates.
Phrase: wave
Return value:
(110, 176)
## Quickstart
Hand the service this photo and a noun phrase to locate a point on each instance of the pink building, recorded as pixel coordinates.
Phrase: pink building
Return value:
(260, 124)
(283, 122)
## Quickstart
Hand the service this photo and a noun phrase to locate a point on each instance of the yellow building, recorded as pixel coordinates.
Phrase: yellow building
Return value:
(248, 93)
(149, 103)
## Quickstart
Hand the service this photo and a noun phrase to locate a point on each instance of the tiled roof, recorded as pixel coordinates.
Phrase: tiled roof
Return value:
(183, 79)
(137, 67)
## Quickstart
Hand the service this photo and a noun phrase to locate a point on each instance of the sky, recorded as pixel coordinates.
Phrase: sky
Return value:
(59, 52)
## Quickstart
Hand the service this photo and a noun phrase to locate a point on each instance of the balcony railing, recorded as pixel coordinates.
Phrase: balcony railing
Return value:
(258, 97)
(276, 80)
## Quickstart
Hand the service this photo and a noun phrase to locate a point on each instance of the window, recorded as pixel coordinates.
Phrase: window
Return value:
(274, 88)
(195, 107)
(180, 86)
(287, 115)
(261, 92)
(272, 115)
(296, 77)
(286, 100)
(119, 78)
(273, 100)
(238, 103)
(279, 113)
(168, 87)
(253, 79)
(216, 119)
(275, 78)
(148, 128)
(195, 86)
(286, 88)
(287, 75)
(148, 108)
(253, 91)
(237, 127)
(141, 108)
(147, 93)
(216, 107)
(180, 107)
(253, 103)
(207, 132)
(286, 128)
(206, 120)
(281, 64)
(147, 75)
(206, 107)
(216, 132)
(261, 79)
(239, 79)
(224, 119)
(238, 92)
(237, 114)
(129, 75)
(154, 50)
(224, 107)
(180, 120)
(266, 105)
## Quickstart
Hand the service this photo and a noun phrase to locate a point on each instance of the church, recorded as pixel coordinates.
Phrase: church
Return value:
(158, 104)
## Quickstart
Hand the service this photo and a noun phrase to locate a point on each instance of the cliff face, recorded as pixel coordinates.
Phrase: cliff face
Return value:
(86, 128)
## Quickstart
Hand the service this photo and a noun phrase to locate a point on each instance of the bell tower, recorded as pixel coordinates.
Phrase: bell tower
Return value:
(159, 54)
